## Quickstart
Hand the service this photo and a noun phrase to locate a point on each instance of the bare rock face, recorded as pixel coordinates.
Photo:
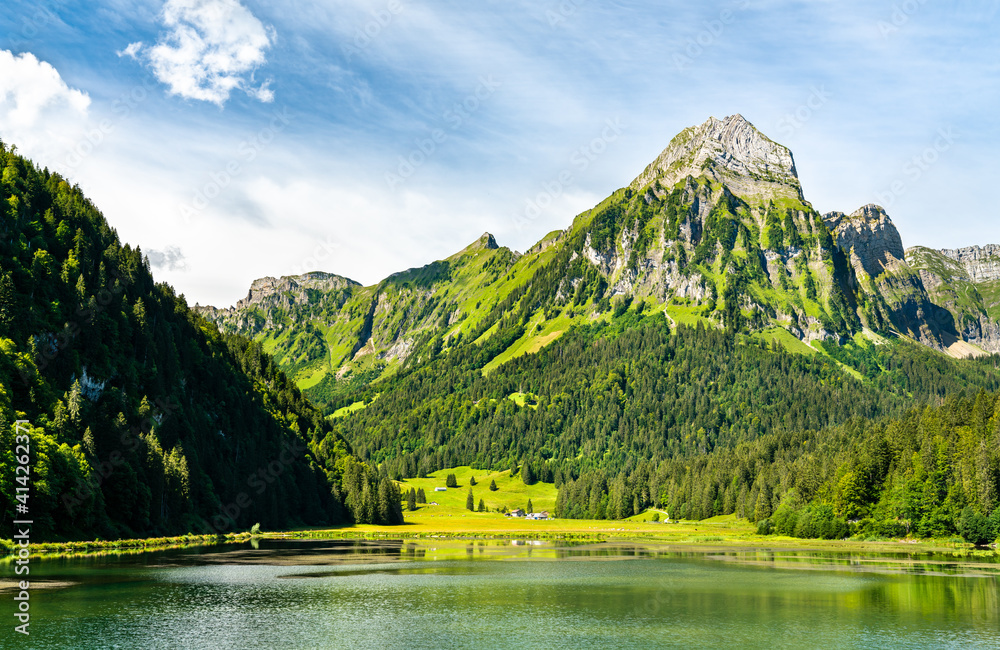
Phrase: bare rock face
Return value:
(264, 288)
(731, 151)
(869, 238)
(949, 276)
(982, 263)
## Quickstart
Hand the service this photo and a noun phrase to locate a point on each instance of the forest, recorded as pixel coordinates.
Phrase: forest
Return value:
(632, 414)
(143, 418)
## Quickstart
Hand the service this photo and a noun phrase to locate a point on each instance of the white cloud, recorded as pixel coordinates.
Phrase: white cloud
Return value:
(171, 258)
(210, 48)
(132, 51)
(38, 112)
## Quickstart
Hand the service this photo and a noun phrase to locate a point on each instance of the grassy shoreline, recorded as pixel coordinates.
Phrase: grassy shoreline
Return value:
(121, 546)
(713, 535)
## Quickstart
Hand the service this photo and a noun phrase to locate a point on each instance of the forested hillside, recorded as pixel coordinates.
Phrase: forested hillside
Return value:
(620, 415)
(931, 472)
(145, 419)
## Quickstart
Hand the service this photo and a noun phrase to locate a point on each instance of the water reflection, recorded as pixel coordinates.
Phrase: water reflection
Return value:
(515, 593)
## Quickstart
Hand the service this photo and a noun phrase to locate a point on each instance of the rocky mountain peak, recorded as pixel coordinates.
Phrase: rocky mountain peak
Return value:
(731, 151)
(869, 238)
(486, 242)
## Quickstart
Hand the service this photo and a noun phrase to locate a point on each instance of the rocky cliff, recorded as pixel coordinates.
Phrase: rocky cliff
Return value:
(982, 263)
(965, 284)
(869, 238)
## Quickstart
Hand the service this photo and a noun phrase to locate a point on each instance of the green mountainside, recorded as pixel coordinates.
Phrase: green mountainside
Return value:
(716, 230)
(701, 310)
(142, 418)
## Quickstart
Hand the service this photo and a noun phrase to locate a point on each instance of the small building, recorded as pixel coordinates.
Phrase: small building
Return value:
(538, 516)
(440, 489)
(516, 513)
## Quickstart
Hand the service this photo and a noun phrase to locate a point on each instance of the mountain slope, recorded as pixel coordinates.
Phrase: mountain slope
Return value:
(715, 230)
(966, 283)
(144, 418)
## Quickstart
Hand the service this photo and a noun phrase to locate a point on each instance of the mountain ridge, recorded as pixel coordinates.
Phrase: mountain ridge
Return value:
(715, 229)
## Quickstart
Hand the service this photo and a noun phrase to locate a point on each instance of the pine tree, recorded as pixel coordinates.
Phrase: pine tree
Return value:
(493, 486)
(472, 480)
(530, 509)
(482, 506)
(421, 497)
(8, 301)
(411, 500)
(470, 501)
(451, 481)
(527, 474)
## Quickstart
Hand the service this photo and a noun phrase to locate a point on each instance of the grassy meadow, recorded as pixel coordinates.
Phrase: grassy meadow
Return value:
(511, 493)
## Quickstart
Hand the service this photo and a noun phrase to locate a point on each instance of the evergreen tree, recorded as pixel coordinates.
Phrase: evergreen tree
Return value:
(470, 502)
(472, 480)
(8, 301)
(411, 500)
(493, 486)
(451, 481)
(482, 506)
(421, 497)
(527, 474)
(530, 509)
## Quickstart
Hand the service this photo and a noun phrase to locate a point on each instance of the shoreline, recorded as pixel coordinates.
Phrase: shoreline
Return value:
(44, 550)
(721, 534)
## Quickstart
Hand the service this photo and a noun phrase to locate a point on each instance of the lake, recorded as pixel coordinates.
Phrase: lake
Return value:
(503, 594)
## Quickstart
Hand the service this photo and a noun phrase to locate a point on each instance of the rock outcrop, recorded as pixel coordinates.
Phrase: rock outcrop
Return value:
(730, 151)
(295, 286)
(869, 239)
(982, 263)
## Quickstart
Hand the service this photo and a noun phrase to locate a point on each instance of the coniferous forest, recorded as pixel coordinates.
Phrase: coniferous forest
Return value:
(144, 419)
(637, 414)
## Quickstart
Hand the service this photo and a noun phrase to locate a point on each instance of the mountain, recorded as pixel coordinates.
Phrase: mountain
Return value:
(715, 230)
(143, 418)
(965, 283)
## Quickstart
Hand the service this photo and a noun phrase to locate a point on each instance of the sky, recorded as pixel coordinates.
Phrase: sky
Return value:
(237, 139)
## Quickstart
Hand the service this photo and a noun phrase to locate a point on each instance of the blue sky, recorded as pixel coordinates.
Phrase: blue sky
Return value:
(234, 139)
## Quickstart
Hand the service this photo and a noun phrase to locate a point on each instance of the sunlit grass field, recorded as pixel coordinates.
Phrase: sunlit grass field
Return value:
(511, 493)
